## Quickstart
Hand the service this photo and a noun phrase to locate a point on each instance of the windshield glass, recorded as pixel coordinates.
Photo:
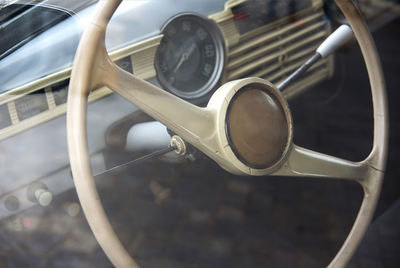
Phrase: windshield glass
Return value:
(21, 23)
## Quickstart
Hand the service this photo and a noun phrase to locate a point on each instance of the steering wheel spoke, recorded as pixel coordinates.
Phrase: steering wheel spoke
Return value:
(302, 162)
(185, 119)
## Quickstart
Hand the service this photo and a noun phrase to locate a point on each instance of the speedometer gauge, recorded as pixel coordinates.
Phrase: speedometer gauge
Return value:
(189, 61)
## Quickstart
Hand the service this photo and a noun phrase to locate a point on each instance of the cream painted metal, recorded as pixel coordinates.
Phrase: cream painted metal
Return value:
(273, 43)
(205, 129)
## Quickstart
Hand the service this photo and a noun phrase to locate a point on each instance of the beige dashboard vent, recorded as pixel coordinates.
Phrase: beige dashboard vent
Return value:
(275, 50)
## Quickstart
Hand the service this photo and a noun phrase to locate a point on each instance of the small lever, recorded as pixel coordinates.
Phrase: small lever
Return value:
(342, 35)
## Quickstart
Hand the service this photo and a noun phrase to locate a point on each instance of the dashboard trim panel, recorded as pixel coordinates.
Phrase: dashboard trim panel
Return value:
(146, 47)
(274, 65)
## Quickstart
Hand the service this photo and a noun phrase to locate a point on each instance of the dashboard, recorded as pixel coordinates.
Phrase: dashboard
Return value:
(187, 49)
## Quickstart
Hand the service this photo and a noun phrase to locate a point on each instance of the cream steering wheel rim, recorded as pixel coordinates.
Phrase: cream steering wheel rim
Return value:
(91, 70)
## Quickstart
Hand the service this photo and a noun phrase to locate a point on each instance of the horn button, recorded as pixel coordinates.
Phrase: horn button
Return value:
(257, 126)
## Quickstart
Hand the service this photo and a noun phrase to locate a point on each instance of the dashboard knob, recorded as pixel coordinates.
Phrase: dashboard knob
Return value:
(43, 197)
(38, 192)
(11, 203)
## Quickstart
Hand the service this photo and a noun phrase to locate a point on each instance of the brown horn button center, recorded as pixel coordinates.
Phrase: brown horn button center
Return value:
(257, 127)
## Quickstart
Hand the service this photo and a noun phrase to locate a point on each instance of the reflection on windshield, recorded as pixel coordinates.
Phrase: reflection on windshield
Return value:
(21, 23)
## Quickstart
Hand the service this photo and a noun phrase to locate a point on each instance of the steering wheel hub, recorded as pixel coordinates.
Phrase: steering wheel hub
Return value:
(254, 126)
(257, 126)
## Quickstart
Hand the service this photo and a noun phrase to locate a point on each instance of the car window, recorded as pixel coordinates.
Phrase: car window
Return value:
(20, 23)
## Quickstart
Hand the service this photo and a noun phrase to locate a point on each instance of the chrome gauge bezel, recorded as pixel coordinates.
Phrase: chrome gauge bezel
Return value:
(215, 78)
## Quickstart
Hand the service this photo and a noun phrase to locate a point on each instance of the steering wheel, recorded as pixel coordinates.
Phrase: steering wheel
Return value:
(255, 142)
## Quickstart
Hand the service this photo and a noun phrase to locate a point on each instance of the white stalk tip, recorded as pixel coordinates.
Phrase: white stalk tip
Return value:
(338, 38)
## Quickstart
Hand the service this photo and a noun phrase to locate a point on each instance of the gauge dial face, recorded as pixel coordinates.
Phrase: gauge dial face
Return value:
(190, 58)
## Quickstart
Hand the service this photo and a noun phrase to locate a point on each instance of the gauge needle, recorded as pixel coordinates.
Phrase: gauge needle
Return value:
(185, 56)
